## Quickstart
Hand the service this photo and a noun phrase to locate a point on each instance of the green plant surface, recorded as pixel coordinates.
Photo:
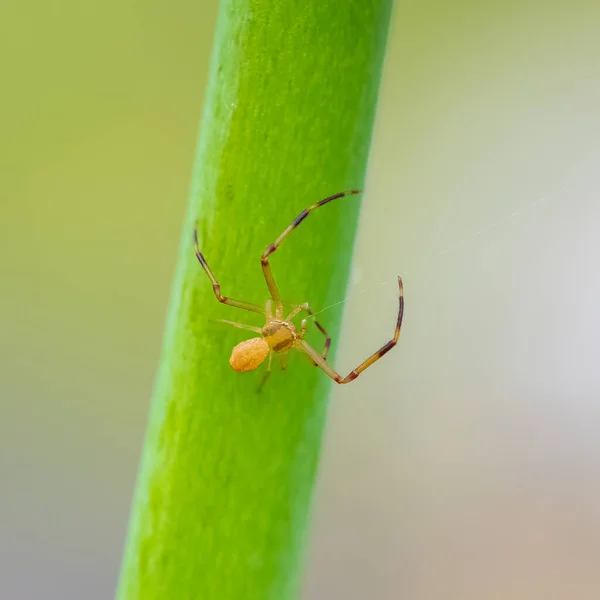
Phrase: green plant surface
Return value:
(223, 495)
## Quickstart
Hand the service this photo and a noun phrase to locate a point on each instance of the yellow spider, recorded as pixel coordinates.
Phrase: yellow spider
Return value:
(279, 335)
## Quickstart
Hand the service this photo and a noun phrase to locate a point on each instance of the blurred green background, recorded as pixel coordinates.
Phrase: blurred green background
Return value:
(464, 465)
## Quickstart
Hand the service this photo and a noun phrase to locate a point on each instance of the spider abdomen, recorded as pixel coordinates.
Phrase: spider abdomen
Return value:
(248, 355)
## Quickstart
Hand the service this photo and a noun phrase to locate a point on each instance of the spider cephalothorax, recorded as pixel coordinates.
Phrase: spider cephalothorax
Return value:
(279, 335)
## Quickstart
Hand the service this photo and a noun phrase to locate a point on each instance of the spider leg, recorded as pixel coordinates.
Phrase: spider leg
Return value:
(283, 360)
(300, 345)
(313, 355)
(264, 259)
(267, 373)
(217, 288)
(299, 309)
(301, 340)
(241, 325)
(296, 311)
(269, 310)
(322, 330)
(303, 329)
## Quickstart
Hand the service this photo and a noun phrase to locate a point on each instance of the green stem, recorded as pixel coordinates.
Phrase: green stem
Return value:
(224, 489)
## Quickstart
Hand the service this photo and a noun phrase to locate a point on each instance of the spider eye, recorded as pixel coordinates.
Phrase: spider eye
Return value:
(248, 355)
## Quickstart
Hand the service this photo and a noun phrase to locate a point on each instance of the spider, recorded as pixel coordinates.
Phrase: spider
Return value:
(279, 334)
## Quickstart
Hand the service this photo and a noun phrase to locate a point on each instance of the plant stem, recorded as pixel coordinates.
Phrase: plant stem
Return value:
(223, 495)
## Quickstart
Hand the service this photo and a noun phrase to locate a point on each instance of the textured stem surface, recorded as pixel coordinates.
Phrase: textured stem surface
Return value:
(224, 489)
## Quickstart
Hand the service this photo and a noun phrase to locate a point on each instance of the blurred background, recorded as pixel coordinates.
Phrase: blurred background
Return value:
(473, 469)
